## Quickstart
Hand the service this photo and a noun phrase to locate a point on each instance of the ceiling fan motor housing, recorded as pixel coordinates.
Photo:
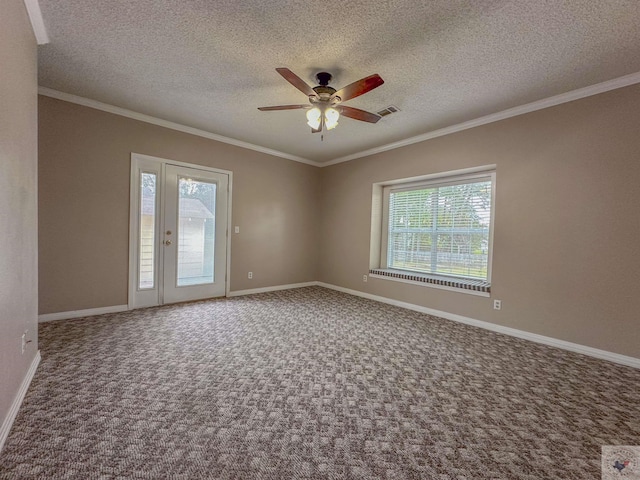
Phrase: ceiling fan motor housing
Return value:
(323, 90)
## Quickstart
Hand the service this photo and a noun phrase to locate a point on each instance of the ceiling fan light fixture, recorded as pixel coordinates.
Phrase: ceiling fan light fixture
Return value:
(313, 118)
(331, 116)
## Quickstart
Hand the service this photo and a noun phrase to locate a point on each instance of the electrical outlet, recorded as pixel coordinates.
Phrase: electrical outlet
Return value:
(497, 304)
(250, 275)
(364, 278)
(237, 229)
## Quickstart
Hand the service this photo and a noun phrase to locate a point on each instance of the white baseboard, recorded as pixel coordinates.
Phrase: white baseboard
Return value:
(533, 337)
(17, 401)
(251, 291)
(49, 317)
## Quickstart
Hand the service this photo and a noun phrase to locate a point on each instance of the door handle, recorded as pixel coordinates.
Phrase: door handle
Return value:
(167, 242)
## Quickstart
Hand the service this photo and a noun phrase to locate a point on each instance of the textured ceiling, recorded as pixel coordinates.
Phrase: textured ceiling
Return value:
(210, 64)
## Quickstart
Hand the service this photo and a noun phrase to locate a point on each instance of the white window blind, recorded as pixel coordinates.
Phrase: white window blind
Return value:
(440, 227)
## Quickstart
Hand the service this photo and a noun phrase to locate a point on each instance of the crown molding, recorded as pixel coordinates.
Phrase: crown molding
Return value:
(37, 23)
(602, 87)
(87, 102)
(616, 83)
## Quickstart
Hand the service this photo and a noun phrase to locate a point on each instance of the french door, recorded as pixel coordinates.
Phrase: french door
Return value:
(178, 232)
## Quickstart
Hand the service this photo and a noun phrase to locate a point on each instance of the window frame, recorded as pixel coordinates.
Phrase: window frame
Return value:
(380, 228)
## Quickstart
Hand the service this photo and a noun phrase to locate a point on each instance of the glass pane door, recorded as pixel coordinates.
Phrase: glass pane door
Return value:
(178, 233)
(194, 234)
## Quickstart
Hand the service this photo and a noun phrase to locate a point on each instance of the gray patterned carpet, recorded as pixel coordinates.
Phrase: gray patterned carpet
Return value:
(311, 384)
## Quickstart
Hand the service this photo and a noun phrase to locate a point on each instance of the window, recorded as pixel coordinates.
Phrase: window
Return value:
(146, 235)
(437, 231)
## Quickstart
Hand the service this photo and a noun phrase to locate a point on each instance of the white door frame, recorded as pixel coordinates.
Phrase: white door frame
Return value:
(148, 163)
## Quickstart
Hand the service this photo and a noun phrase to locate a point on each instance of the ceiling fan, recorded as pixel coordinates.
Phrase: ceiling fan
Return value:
(325, 102)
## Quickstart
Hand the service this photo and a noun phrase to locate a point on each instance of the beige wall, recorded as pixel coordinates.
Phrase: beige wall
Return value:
(84, 171)
(566, 258)
(564, 265)
(18, 199)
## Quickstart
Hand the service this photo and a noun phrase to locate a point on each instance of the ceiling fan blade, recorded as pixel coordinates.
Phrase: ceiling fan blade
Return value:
(356, 89)
(283, 107)
(296, 81)
(358, 114)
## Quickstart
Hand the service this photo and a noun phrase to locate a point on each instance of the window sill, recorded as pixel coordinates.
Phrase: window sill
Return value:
(472, 287)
